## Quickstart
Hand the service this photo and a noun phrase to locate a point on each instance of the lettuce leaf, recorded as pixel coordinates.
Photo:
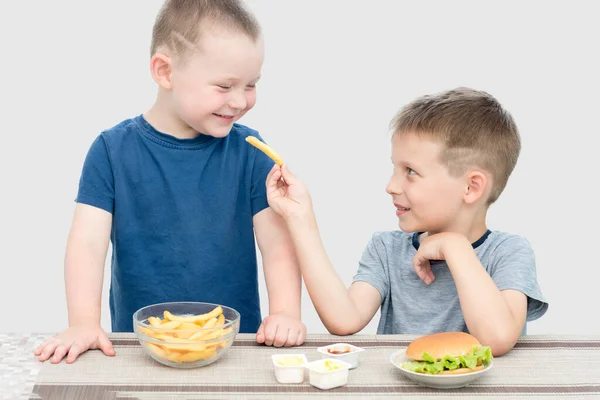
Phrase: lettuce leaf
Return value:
(432, 366)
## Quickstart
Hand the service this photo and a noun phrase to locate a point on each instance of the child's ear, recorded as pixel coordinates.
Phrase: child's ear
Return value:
(477, 185)
(161, 68)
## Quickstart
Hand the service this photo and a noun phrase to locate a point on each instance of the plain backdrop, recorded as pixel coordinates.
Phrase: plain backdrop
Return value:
(335, 74)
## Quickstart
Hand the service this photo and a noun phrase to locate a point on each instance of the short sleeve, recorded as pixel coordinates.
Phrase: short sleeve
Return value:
(260, 169)
(96, 185)
(514, 268)
(372, 268)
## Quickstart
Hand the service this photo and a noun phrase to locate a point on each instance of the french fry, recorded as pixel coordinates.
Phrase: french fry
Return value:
(213, 335)
(194, 318)
(221, 343)
(211, 323)
(265, 148)
(191, 356)
(158, 350)
(148, 331)
(227, 331)
(201, 335)
(185, 330)
(170, 325)
(184, 347)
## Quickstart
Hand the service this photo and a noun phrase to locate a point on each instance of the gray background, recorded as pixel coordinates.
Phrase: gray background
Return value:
(335, 73)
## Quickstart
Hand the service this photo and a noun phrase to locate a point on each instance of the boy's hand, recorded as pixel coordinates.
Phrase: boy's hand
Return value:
(280, 330)
(73, 342)
(288, 197)
(433, 248)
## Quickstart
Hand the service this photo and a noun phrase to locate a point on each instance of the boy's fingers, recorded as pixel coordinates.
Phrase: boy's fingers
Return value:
(74, 352)
(287, 175)
(273, 180)
(423, 269)
(281, 337)
(260, 334)
(105, 345)
(301, 337)
(59, 353)
(270, 334)
(418, 265)
(272, 171)
(41, 347)
(429, 277)
(273, 177)
(292, 338)
(48, 351)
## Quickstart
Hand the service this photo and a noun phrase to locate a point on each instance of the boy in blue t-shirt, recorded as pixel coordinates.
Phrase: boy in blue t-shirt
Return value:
(452, 155)
(181, 195)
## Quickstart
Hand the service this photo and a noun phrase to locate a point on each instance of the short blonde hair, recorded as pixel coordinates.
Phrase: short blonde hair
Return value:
(474, 129)
(180, 22)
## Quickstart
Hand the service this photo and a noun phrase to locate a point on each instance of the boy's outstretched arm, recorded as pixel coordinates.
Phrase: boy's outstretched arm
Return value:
(494, 317)
(283, 326)
(84, 270)
(343, 311)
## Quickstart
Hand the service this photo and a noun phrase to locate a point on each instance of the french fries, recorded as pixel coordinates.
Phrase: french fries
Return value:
(184, 342)
(265, 148)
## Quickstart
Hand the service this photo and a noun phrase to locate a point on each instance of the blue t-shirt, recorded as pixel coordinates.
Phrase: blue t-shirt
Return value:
(182, 217)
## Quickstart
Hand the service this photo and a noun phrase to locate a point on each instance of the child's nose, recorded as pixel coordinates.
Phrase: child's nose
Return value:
(393, 187)
(238, 101)
(388, 188)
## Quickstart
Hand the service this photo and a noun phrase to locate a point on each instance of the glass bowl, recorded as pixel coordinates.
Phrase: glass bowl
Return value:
(186, 334)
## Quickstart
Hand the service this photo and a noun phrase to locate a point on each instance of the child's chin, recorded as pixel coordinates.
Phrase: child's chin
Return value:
(408, 228)
(220, 132)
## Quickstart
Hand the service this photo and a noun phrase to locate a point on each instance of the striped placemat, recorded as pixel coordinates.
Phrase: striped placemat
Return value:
(538, 367)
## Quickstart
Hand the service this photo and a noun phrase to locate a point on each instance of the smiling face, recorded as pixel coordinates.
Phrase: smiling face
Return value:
(427, 198)
(216, 84)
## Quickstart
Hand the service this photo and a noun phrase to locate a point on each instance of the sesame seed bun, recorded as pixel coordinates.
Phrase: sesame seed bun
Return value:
(439, 345)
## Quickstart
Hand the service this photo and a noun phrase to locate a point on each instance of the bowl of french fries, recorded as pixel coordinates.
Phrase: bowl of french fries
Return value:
(186, 334)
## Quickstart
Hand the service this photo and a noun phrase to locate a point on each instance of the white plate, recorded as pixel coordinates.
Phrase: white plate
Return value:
(436, 381)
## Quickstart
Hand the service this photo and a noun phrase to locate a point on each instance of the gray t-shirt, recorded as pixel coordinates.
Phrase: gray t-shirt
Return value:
(410, 306)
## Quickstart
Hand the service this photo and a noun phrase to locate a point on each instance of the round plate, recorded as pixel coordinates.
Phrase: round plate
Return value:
(436, 381)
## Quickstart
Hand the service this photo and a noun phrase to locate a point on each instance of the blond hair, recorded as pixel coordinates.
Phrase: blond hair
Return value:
(180, 22)
(474, 129)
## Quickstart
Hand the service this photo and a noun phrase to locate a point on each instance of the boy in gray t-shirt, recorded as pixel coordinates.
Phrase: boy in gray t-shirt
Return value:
(444, 270)
(408, 306)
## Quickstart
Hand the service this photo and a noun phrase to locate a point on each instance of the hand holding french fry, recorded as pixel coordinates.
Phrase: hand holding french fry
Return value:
(288, 197)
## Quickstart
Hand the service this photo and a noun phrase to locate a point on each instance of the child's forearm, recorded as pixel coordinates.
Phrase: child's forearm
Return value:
(84, 270)
(284, 283)
(328, 293)
(487, 314)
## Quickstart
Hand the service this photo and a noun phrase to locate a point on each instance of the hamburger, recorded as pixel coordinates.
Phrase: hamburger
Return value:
(447, 353)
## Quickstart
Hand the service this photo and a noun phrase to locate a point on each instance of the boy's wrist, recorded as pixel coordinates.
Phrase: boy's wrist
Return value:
(455, 248)
(453, 243)
(287, 313)
(84, 321)
(300, 218)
